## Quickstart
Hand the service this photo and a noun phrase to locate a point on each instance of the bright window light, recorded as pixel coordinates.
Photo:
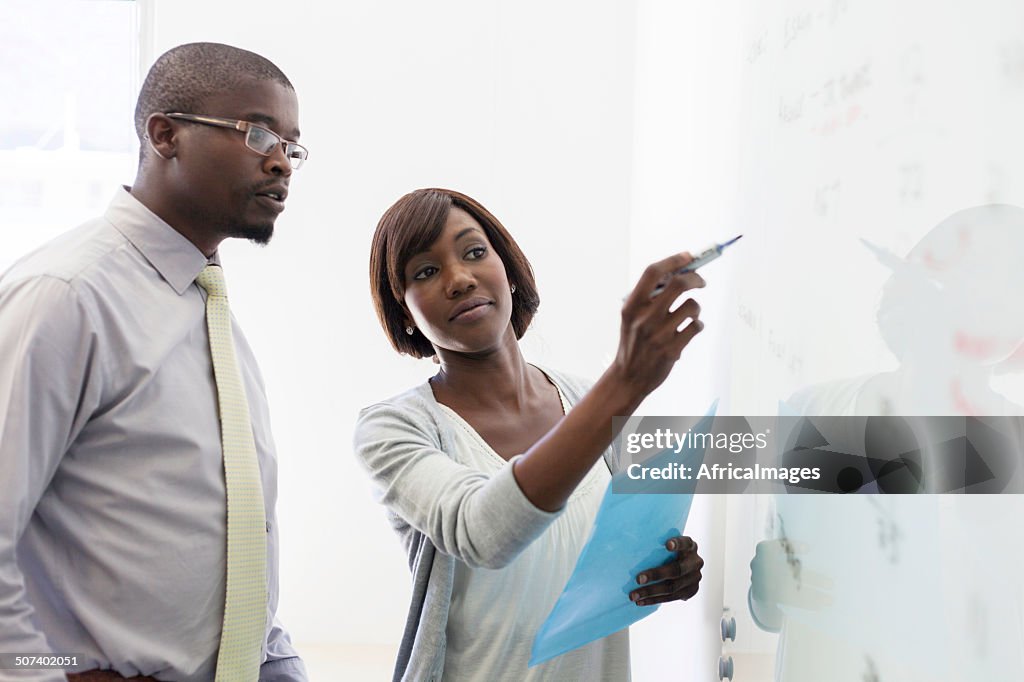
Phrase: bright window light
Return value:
(70, 71)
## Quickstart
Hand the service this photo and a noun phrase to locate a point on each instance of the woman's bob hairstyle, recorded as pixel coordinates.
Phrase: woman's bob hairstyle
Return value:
(410, 226)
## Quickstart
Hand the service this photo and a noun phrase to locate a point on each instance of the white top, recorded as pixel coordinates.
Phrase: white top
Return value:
(496, 613)
(112, 507)
(446, 512)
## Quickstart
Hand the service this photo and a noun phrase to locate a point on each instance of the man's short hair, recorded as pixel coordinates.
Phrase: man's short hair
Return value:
(183, 78)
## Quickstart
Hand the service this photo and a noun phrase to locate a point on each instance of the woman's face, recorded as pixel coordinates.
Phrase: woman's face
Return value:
(457, 291)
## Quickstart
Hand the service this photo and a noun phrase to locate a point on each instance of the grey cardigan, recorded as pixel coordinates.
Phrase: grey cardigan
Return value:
(443, 511)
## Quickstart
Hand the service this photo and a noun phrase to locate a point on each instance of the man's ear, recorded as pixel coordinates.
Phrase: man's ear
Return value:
(161, 136)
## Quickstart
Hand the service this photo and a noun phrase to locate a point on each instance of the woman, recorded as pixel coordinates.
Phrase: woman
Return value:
(492, 471)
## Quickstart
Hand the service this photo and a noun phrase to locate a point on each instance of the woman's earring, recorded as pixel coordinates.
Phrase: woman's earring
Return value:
(409, 330)
(513, 287)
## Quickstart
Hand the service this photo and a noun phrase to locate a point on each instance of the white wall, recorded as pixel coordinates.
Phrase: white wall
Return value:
(527, 107)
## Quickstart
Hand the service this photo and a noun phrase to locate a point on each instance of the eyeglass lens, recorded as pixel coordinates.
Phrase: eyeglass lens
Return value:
(263, 142)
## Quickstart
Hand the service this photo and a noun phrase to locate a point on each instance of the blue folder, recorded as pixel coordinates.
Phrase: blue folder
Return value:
(628, 536)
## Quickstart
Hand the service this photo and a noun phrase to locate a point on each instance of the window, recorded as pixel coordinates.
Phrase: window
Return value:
(69, 72)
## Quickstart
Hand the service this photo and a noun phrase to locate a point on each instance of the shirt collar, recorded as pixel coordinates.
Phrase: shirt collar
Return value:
(177, 259)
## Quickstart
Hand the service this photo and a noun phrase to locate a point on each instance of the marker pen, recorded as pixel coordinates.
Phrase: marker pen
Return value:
(706, 256)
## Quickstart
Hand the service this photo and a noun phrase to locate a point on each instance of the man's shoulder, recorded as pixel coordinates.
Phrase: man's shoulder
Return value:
(53, 291)
(71, 256)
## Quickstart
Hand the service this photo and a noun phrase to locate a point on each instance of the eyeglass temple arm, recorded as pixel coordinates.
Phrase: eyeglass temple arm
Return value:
(222, 122)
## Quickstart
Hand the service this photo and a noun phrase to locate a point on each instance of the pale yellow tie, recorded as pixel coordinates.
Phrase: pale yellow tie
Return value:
(245, 604)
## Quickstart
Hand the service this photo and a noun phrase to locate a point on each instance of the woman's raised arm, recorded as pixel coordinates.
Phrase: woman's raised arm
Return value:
(651, 340)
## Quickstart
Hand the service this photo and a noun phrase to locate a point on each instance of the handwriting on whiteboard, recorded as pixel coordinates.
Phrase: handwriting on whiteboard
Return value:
(870, 671)
(911, 182)
(795, 565)
(787, 356)
(1011, 63)
(826, 198)
(756, 48)
(889, 534)
(833, 105)
(796, 26)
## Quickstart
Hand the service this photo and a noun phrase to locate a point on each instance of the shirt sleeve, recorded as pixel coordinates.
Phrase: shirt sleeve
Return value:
(283, 670)
(282, 663)
(49, 385)
(484, 521)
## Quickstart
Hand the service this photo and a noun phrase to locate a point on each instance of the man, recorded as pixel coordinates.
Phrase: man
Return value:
(137, 482)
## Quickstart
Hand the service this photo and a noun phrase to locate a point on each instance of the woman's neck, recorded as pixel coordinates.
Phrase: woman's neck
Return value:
(502, 378)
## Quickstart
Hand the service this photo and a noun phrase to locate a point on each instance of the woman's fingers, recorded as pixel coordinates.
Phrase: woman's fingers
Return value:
(682, 543)
(685, 569)
(686, 585)
(654, 330)
(687, 559)
(676, 285)
(681, 595)
(689, 310)
(667, 325)
(686, 335)
(677, 579)
(681, 334)
(654, 274)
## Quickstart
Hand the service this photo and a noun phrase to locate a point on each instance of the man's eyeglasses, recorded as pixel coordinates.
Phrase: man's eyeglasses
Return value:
(257, 138)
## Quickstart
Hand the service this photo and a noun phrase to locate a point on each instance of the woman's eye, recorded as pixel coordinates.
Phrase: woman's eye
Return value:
(477, 252)
(425, 272)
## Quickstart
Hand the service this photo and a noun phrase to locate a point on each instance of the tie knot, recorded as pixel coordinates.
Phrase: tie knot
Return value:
(212, 280)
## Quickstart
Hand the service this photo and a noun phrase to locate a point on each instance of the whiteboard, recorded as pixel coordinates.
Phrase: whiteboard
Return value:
(881, 122)
(871, 155)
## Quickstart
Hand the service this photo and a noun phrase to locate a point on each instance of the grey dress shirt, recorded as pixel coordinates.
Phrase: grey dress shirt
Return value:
(112, 504)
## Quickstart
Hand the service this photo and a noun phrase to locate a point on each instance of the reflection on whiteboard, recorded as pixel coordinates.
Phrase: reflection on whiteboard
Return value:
(879, 187)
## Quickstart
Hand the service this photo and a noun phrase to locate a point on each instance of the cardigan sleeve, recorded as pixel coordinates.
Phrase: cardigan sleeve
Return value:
(484, 521)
